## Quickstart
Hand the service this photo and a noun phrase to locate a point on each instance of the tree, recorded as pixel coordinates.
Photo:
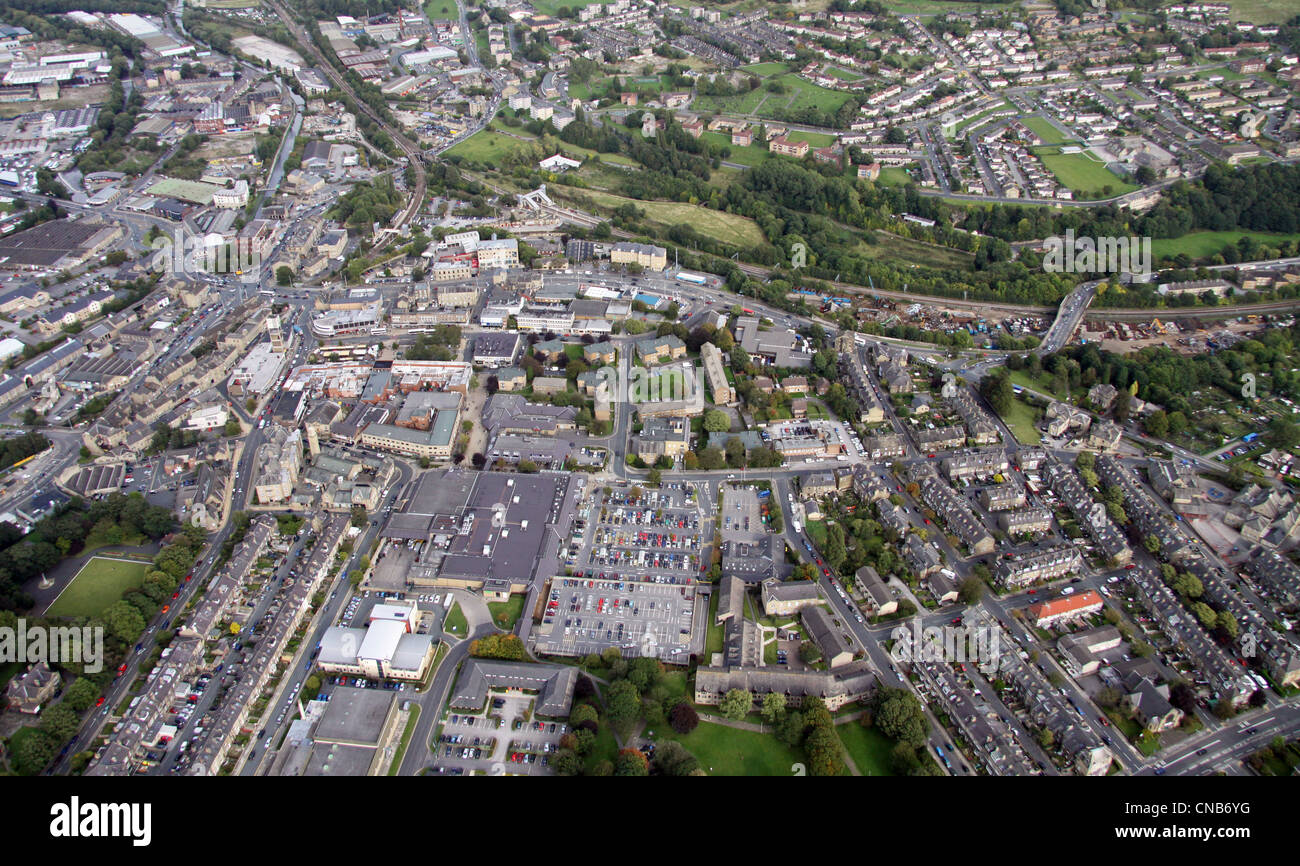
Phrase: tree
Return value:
(898, 715)
(81, 694)
(716, 421)
(284, 276)
(498, 646)
(123, 622)
(972, 590)
(673, 759)
(644, 673)
(736, 704)
(1157, 424)
(623, 704)
(34, 752)
(682, 717)
(773, 706)
(996, 389)
(630, 762)
(825, 755)
(567, 762)
(1283, 433)
(711, 458)
(582, 713)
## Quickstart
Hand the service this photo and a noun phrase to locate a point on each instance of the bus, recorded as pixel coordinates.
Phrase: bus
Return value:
(26, 459)
(378, 331)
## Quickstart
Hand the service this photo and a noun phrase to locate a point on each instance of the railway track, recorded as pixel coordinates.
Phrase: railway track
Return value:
(1115, 314)
(399, 138)
(1103, 314)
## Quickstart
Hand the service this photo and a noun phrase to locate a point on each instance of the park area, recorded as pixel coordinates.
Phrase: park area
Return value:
(726, 751)
(98, 584)
(1082, 172)
(1199, 245)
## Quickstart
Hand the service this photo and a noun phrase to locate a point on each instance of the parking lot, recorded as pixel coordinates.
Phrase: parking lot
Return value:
(432, 607)
(639, 618)
(501, 740)
(651, 536)
(742, 513)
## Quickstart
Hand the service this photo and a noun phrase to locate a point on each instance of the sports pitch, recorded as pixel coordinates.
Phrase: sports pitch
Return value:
(100, 582)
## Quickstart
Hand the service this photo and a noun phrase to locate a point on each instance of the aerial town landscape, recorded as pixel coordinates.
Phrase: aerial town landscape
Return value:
(557, 388)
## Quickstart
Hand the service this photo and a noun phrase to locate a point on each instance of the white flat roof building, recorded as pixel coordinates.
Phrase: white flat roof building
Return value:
(10, 347)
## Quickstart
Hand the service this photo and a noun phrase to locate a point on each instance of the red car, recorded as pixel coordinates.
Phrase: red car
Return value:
(122, 668)
(100, 701)
(826, 571)
(176, 594)
(1130, 567)
(166, 607)
(1033, 591)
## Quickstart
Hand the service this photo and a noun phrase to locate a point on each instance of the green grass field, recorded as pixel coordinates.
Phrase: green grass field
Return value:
(763, 103)
(894, 176)
(1042, 385)
(751, 155)
(814, 139)
(869, 748)
(1264, 11)
(889, 246)
(816, 530)
(766, 70)
(100, 582)
(491, 144)
(1021, 420)
(605, 748)
(843, 74)
(1202, 244)
(1082, 172)
(923, 8)
(550, 7)
(455, 623)
(486, 145)
(726, 751)
(714, 638)
(1045, 130)
(808, 94)
(440, 9)
(981, 117)
(506, 613)
(746, 103)
(723, 226)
